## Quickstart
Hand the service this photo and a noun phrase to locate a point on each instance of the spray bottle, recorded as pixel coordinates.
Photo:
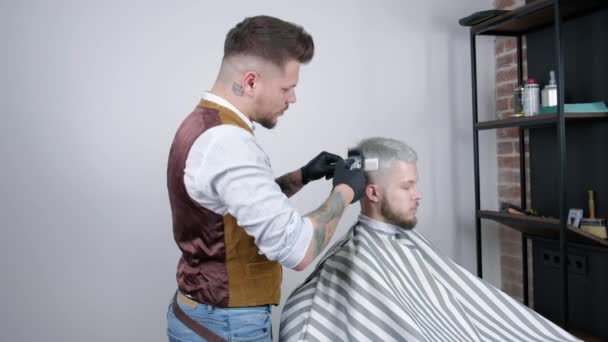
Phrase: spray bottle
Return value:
(531, 97)
(549, 93)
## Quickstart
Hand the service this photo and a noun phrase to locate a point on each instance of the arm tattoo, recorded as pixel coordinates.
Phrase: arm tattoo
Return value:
(319, 241)
(290, 183)
(329, 211)
(237, 89)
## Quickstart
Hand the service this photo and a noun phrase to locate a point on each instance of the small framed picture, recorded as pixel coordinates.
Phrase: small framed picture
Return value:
(574, 217)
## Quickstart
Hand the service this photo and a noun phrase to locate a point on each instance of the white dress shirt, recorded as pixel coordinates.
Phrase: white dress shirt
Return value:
(228, 172)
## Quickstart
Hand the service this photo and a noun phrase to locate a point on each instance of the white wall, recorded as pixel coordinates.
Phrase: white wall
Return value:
(91, 98)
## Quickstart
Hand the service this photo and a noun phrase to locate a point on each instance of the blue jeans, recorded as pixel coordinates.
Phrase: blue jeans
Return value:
(251, 324)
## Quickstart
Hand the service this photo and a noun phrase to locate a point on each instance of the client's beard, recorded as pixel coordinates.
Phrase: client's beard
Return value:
(392, 218)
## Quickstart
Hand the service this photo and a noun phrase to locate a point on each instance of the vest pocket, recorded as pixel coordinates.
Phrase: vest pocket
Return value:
(264, 282)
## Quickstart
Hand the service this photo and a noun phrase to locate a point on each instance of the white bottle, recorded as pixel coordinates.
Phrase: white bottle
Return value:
(549, 93)
(531, 97)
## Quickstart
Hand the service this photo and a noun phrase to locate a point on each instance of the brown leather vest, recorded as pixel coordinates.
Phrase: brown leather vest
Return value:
(220, 263)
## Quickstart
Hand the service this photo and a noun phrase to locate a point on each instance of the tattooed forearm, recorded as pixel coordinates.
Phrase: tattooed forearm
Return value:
(290, 183)
(324, 221)
(324, 218)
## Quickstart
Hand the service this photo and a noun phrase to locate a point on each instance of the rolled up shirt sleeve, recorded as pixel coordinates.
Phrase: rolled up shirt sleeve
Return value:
(228, 172)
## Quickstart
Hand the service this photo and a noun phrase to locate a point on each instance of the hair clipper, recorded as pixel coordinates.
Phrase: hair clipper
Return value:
(356, 160)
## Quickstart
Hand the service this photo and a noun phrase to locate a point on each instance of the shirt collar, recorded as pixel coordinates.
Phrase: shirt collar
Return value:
(224, 103)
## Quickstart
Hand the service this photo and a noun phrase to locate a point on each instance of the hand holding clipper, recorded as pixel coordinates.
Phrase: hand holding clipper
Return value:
(354, 178)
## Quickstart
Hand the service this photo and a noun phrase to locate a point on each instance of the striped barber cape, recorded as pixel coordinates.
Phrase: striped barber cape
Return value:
(384, 283)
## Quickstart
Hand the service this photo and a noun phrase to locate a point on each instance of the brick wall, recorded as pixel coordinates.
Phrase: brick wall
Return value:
(508, 157)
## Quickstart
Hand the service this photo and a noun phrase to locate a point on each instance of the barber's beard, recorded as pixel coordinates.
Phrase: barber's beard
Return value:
(267, 123)
(390, 216)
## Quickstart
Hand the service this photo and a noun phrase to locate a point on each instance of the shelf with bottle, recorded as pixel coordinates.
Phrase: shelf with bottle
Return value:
(542, 227)
(537, 120)
(535, 108)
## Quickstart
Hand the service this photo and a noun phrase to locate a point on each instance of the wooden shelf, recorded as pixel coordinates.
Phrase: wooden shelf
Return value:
(542, 227)
(534, 16)
(536, 120)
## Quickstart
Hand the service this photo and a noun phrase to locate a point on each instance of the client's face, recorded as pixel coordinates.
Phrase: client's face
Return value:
(400, 199)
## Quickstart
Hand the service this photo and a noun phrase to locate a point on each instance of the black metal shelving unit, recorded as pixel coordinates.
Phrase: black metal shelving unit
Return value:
(517, 23)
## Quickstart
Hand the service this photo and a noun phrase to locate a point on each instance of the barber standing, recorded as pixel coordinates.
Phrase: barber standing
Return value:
(232, 220)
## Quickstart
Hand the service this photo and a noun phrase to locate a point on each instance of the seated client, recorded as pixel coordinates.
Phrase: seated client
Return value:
(383, 281)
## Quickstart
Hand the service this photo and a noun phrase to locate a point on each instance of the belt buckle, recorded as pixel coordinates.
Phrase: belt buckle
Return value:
(187, 300)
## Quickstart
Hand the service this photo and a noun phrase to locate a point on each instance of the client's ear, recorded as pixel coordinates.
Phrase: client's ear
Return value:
(371, 192)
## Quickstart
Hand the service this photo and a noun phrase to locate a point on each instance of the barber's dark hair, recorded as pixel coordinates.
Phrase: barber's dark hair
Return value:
(271, 39)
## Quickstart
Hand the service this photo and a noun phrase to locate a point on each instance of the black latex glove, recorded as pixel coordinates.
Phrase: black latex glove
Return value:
(322, 165)
(354, 178)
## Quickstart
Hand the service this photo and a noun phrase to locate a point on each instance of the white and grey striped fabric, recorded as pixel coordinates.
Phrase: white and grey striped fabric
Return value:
(383, 283)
